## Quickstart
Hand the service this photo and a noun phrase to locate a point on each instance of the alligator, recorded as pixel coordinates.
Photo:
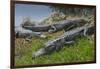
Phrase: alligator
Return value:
(65, 24)
(27, 34)
(67, 38)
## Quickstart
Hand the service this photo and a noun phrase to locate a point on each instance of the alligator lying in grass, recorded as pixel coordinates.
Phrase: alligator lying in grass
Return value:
(27, 34)
(66, 24)
(67, 38)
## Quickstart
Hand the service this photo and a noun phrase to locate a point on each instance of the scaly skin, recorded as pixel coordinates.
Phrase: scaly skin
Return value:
(66, 24)
(24, 33)
(66, 38)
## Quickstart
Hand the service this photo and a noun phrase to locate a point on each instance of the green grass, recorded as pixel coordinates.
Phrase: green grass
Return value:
(81, 51)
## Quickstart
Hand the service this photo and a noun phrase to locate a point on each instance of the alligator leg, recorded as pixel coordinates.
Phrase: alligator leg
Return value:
(58, 48)
(84, 33)
(52, 29)
(29, 38)
(69, 42)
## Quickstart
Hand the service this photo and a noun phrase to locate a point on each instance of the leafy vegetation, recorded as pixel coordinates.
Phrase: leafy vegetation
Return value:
(76, 11)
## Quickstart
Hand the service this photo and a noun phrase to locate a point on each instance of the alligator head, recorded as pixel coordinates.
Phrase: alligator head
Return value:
(49, 48)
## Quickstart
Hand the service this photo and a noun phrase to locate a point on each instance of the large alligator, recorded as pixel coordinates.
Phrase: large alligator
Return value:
(27, 34)
(67, 38)
(66, 24)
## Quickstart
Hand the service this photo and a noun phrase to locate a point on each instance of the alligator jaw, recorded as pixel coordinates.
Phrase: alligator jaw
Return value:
(38, 53)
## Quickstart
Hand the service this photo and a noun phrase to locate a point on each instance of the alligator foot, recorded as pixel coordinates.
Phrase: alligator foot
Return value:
(69, 42)
(52, 29)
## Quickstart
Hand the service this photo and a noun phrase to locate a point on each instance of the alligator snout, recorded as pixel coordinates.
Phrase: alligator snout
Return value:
(38, 53)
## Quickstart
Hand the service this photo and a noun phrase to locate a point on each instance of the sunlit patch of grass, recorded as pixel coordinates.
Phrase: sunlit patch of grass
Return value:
(81, 51)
